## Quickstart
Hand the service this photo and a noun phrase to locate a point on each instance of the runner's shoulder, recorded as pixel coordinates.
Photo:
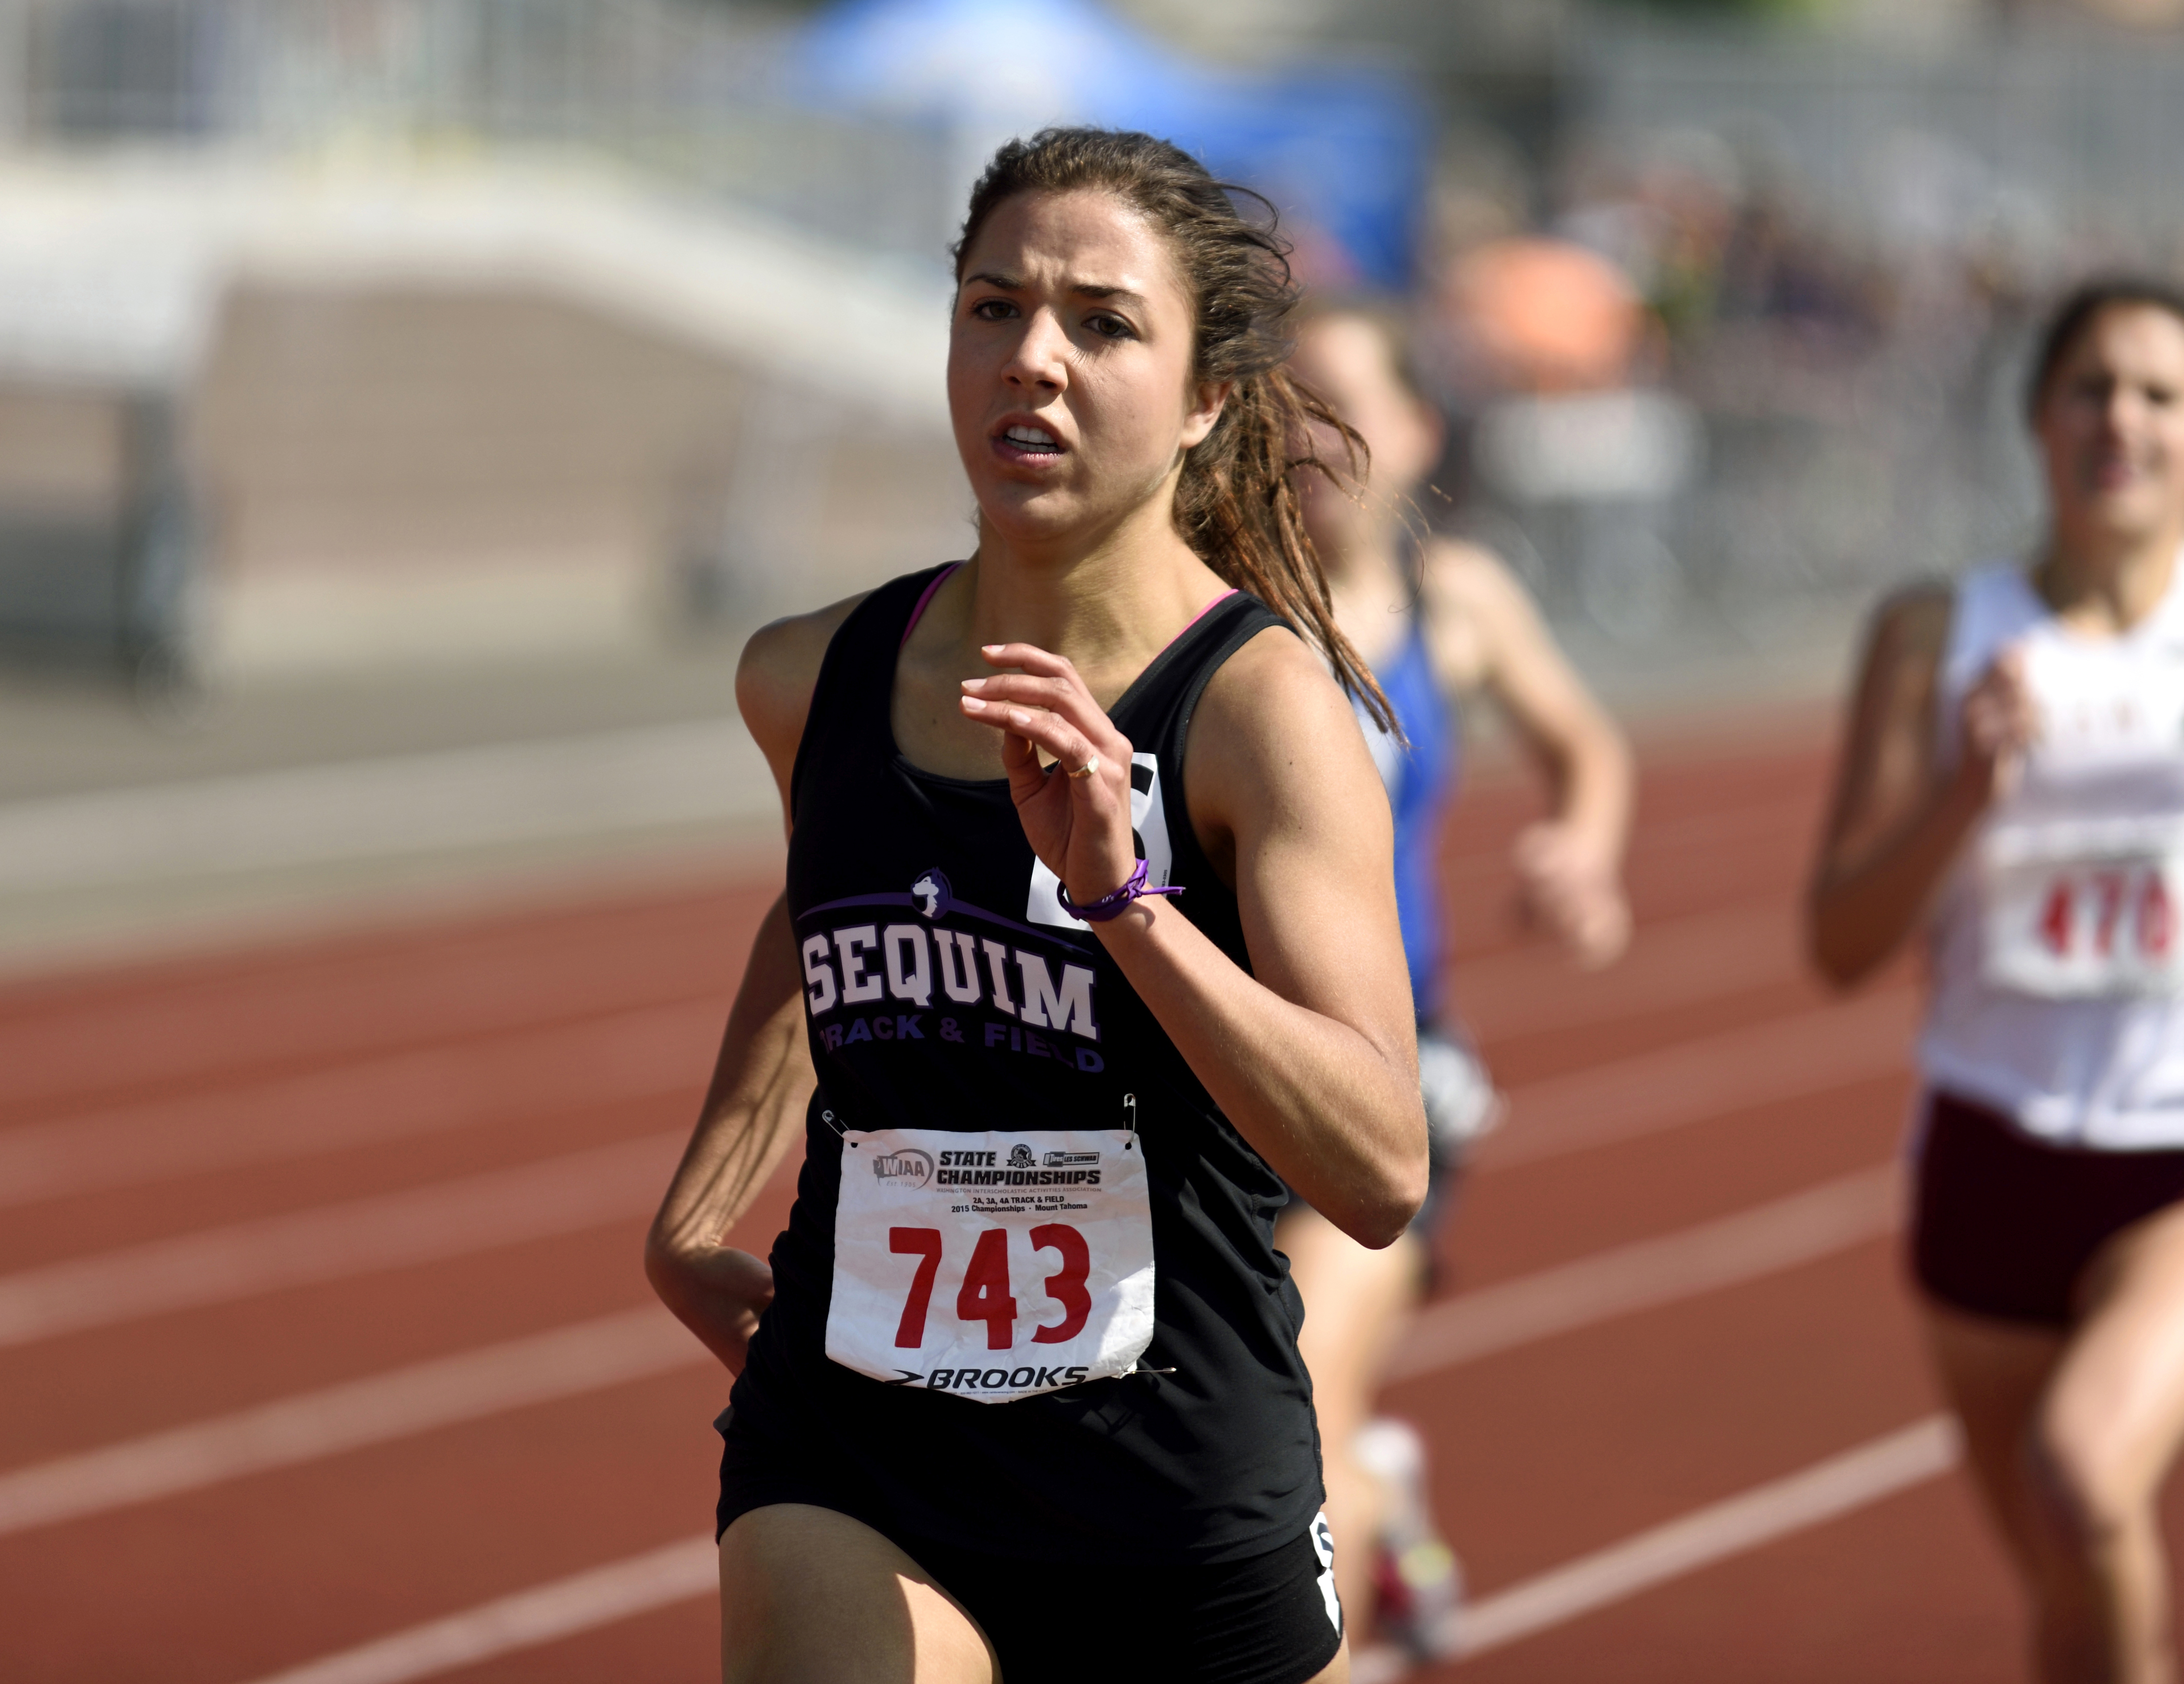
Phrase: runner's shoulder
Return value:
(1275, 722)
(1274, 682)
(1909, 630)
(1480, 617)
(1461, 574)
(780, 669)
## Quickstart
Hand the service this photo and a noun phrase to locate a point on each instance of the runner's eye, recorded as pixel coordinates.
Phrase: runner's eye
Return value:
(1109, 327)
(993, 310)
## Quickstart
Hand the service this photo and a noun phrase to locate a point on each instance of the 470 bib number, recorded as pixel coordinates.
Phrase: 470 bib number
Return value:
(2086, 927)
(994, 1266)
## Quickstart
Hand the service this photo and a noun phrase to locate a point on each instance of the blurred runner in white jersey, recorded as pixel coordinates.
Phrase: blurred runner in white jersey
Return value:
(2013, 787)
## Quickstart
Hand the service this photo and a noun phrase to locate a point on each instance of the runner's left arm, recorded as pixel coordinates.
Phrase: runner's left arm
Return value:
(1312, 1053)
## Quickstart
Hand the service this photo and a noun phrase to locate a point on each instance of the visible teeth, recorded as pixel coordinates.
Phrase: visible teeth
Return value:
(1030, 436)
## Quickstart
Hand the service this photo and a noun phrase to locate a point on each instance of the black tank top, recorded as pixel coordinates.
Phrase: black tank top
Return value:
(1209, 1452)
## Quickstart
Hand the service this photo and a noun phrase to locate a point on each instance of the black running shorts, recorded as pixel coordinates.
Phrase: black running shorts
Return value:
(1261, 1620)
(2004, 1225)
(1266, 1620)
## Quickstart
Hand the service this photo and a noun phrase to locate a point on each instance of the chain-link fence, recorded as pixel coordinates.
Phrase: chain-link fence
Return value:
(695, 91)
(1849, 242)
(1843, 238)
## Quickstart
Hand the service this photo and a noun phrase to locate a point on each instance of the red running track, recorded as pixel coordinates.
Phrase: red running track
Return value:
(321, 1322)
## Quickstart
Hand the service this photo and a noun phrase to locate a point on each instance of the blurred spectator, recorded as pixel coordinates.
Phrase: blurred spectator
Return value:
(1541, 314)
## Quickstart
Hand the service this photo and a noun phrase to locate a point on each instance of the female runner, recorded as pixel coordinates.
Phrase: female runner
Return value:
(2014, 784)
(1439, 621)
(1090, 937)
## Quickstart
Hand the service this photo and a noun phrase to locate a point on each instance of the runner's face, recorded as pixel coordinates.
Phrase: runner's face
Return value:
(1347, 360)
(2111, 424)
(1069, 366)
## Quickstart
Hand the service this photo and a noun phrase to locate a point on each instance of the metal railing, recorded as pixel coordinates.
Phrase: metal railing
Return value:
(1829, 468)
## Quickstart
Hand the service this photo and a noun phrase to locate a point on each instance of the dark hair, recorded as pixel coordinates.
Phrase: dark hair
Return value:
(1236, 505)
(2075, 313)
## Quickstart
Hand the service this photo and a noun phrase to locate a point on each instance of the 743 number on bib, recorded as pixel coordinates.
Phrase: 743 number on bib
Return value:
(985, 1292)
(952, 1246)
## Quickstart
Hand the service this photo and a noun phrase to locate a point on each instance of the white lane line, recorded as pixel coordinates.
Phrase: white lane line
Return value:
(689, 772)
(330, 1243)
(1784, 1058)
(1740, 827)
(1754, 824)
(565, 1361)
(586, 1355)
(1840, 1485)
(528, 1073)
(1765, 1239)
(641, 1053)
(563, 1608)
(644, 1052)
(1674, 961)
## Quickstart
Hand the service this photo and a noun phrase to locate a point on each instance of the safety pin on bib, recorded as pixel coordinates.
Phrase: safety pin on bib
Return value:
(1130, 1105)
(827, 1117)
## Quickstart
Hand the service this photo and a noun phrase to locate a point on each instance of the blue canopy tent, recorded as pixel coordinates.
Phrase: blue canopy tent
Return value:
(1342, 151)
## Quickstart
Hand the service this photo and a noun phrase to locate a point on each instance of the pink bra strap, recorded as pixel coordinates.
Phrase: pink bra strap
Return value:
(925, 596)
(1203, 612)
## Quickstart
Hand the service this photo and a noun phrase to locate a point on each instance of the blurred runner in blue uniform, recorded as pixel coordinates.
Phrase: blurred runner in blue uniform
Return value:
(1439, 621)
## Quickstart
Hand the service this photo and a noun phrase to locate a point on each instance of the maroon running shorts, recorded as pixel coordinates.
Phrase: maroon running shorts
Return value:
(2005, 1224)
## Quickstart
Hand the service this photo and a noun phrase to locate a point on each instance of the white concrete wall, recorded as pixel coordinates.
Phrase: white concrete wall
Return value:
(449, 412)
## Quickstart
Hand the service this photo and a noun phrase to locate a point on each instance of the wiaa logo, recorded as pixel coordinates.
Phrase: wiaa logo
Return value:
(1020, 1158)
(933, 894)
(910, 1166)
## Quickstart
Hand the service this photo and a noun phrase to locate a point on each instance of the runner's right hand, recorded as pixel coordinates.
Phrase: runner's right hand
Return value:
(1568, 883)
(1080, 827)
(2000, 722)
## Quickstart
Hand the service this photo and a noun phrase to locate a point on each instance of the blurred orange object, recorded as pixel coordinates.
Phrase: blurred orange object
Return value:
(1545, 315)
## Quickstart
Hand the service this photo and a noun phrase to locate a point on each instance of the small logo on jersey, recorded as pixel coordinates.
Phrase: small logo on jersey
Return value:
(1070, 1160)
(933, 893)
(909, 1167)
(1020, 1158)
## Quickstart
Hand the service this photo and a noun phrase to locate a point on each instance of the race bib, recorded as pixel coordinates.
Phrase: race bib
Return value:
(993, 1266)
(2101, 924)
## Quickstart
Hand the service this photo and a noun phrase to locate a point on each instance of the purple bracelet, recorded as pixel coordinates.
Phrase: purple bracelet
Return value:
(1109, 905)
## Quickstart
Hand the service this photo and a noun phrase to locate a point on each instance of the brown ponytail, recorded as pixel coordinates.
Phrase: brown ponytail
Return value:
(1237, 504)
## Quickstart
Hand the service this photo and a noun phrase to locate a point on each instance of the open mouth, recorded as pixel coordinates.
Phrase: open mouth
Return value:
(1023, 443)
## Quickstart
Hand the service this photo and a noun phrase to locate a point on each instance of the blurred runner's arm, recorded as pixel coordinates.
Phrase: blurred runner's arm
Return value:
(1486, 634)
(763, 1077)
(1896, 824)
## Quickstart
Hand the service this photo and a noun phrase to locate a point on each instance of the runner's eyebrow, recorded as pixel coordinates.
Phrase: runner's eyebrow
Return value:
(1120, 295)
(1089, 289)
